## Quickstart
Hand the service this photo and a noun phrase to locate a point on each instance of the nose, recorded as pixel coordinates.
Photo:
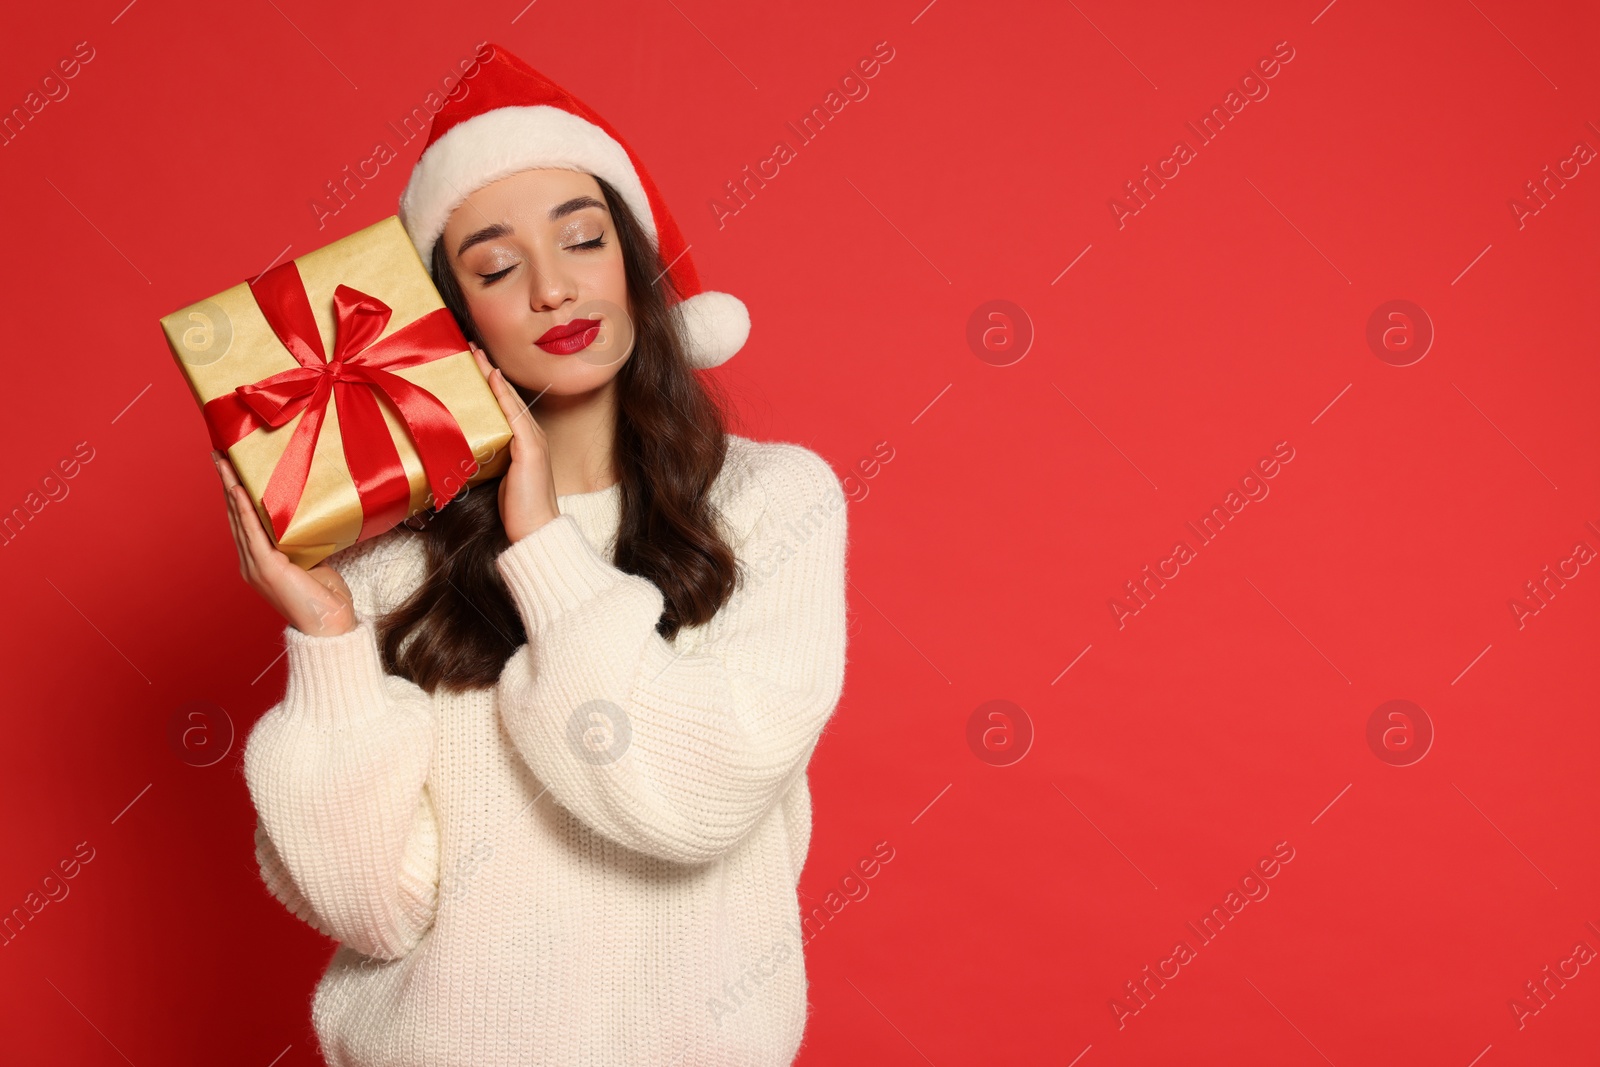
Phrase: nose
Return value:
(552, 286)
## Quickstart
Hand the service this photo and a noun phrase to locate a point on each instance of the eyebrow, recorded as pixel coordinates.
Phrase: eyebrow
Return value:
(501, 229)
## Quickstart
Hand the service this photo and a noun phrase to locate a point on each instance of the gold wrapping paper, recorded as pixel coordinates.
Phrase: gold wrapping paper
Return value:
(225, 342)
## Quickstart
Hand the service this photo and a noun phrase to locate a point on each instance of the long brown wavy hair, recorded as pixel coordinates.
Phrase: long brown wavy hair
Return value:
(670, 444)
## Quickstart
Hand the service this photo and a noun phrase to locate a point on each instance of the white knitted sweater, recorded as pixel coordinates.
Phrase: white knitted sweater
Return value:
(595, 861)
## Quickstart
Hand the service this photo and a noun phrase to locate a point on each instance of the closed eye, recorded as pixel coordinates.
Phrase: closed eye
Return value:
(490, 279)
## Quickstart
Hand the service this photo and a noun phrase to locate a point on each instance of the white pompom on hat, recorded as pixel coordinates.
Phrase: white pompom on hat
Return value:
(511, 118)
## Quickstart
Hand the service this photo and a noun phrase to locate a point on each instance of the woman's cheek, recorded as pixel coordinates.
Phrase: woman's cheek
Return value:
(494, 318)
(627, 338)
(616, 338)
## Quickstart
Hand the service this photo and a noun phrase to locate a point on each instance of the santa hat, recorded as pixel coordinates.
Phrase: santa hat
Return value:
(513, 119)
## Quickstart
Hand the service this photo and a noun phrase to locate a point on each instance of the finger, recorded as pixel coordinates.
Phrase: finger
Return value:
(235, 526)
(525, 431)
(230, 501)
(510, 403)
(260, 546)
(254, 543)
(244, 517)
(485, 364)
(217, 461)
(230, 477)
(232, 489)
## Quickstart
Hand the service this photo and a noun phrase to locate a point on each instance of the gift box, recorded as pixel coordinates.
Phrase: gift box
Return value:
(335, 450)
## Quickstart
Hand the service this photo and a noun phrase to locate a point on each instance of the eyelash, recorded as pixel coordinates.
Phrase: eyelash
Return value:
(490, 279)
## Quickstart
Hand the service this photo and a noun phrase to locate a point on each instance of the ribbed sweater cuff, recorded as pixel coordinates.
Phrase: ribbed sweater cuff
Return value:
(337, 679)
(553, 570)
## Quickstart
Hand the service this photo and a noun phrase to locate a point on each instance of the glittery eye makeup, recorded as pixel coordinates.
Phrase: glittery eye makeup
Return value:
(493, 271)
(573, 236)
(581, 233)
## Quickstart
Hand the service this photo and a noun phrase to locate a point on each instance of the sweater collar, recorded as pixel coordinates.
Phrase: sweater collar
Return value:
(739, 495)
(598, 513)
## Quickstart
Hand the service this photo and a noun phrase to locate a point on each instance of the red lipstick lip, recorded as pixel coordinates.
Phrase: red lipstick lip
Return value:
(566, 329)
(570, 337)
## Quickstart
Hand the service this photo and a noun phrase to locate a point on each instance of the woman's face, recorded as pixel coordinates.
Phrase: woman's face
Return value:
(535, 255)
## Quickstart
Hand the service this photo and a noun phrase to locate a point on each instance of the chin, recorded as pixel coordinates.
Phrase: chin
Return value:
(571, 381)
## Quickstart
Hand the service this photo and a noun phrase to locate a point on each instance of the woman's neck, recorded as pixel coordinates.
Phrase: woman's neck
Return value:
(580, 430)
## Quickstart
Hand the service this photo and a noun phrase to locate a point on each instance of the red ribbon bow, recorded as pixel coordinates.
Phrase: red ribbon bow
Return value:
(358, 371)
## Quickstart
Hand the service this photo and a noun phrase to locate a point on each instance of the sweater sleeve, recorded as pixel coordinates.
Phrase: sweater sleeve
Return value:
(678, 756)
(347, 836)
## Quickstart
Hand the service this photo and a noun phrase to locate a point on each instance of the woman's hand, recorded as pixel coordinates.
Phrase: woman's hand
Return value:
(315, 602)
(528, 487)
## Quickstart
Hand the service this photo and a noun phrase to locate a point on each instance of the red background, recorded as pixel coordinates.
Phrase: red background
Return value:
(1228, 715)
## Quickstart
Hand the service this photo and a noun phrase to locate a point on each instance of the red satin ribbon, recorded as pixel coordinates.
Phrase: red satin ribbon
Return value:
(358, 371)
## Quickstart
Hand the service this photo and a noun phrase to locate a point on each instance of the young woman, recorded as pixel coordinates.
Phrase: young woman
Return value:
(540, 765)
